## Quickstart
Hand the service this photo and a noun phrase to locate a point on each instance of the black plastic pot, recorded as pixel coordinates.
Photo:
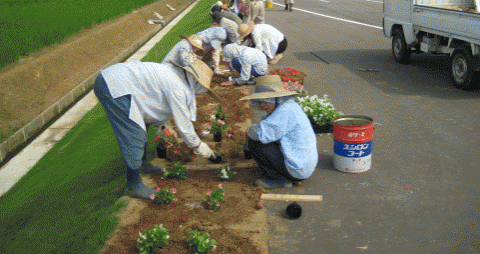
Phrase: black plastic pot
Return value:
(161, 151)
(217, 159)
(317, 129)
(294, 210)
(248, 154)
(217, 137)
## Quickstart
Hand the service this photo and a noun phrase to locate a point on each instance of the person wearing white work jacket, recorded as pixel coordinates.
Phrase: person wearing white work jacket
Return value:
(138, 94)
(185, 52)
(265, 38)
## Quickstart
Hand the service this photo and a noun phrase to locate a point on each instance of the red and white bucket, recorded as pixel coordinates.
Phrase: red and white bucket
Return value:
(353, 137)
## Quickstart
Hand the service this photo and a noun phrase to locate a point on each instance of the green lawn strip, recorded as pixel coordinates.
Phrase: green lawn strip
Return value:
(27, 26)
(66, 202)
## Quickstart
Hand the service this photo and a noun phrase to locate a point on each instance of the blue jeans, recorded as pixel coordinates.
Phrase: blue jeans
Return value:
(131, 138)
(238, 67)
(270, 159)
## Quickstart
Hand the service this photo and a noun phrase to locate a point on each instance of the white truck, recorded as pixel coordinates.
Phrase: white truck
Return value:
(439, 27)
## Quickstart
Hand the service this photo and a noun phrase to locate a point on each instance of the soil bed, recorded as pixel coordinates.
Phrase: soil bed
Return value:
(239, 226)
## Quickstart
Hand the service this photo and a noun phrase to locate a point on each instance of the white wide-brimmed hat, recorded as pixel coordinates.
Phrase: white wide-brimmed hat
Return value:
(269, 86)
(194, 39)
(202, 73)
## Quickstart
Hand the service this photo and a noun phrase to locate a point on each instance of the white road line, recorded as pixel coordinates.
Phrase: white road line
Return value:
(324, 1)
(340, 19)
(374, 1)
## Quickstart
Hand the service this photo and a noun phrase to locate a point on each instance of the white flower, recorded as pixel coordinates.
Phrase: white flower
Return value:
(168, 236)
(213, 117)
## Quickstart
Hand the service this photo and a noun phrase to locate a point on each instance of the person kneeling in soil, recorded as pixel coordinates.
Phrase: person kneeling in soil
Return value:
(283, 143)
(138, 94)
(185, 51)
(213, 38)
(245, 60)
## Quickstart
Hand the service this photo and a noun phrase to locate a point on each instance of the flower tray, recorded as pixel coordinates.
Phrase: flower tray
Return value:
(317, 129)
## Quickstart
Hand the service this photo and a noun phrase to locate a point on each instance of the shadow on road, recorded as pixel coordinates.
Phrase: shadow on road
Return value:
(426, 75)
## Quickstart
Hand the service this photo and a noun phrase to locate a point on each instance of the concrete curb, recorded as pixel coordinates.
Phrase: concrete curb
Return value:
(25, 154)
(15, 143)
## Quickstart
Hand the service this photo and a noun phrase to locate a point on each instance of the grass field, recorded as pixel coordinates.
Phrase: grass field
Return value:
(65, 204)
(28, 25)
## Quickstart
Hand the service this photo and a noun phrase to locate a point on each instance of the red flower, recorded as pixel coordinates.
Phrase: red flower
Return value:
(175, 199)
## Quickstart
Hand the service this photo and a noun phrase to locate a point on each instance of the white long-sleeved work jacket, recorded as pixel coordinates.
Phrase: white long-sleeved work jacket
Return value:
(159, 92)
(266, 39)
(182, 54)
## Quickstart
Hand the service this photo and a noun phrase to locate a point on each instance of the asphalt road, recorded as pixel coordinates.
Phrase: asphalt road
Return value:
(421, 194)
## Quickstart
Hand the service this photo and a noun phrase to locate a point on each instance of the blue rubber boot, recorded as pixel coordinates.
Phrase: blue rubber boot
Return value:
(148, 167)
(135, 187)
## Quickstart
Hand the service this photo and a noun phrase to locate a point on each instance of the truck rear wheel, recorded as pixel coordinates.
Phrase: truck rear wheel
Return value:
(462, 68)
(401, 53)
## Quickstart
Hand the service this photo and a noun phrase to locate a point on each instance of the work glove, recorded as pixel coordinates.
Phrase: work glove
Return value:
(204, 151)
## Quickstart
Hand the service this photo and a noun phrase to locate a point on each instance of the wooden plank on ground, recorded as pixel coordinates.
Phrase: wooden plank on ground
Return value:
(289, 197)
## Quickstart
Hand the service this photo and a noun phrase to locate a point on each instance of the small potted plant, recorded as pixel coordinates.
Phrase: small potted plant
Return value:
(220, 112)
(320, 112)
(164, 141)
(178, 171)
(164, 196)
(217, 128)
(246, 151)
(213, 199)
(200, 242)
(161, 147)
(225, 173)
(151, 240)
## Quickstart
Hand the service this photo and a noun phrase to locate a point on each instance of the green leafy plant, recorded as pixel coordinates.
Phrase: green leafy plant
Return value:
(319, 109)
(225, 173)
(220, 112)
(217, 127)
(201, 242)
(243, 146)
(162, 140)
(164, 196)
(153, 239)
(176, 172)
(214, 199)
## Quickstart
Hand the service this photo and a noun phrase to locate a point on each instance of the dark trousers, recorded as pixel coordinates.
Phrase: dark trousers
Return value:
(270, 159)
(282, 46)
(238, 67)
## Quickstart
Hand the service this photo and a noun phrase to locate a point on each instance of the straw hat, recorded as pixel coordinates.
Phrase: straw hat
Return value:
(195, 40)
(202, 73)
(245, 29)
(269, 86)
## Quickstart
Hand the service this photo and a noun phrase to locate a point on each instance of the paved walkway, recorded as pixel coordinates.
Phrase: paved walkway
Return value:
(19, 165)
